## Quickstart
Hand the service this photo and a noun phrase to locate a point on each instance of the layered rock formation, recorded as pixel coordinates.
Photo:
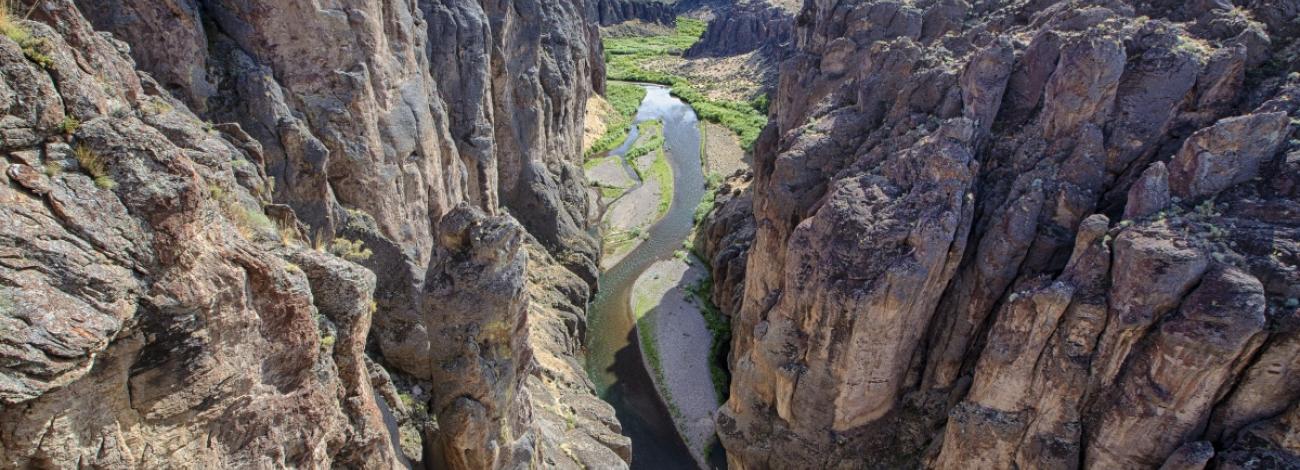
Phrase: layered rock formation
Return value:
(612, 12)
(407, 136)
(745, 26)
(1032, 235)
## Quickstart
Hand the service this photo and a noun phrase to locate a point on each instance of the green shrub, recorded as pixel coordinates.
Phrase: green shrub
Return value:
(661, 172)
(656, 141)
(611, 193)
(354, 251)
(69, 125)
(706, 206)
(95, 166)
(625, 99)
(32, 46)
(249, 221)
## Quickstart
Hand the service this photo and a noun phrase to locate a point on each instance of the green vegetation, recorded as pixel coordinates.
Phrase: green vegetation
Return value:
(416, 407)
(354, 251)
(32, 46)
(655, 130)
(624, 56)
(720, 328)
(711, 184)
(158, 106)
(593, 163)
(625, 98)
(53, 169)
(614, 239)
(249, 221)
(611, 193)
(69, 125)
(95, 166)
(663, 173)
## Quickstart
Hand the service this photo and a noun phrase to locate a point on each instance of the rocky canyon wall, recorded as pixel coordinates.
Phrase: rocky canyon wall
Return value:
(612, 12)
(744, 26)
(154, 315)
(188, 309)
(1020, 235)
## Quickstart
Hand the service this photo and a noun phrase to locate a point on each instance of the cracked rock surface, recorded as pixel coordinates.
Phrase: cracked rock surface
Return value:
(1043, 234)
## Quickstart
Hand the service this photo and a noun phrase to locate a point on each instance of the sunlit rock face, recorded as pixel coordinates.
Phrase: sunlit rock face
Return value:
(165, 269)
(1034, 234)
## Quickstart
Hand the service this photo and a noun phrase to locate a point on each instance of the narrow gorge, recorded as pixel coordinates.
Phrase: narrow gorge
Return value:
(651, 234)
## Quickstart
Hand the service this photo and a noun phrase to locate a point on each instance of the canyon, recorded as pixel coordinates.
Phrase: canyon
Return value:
(361, 233)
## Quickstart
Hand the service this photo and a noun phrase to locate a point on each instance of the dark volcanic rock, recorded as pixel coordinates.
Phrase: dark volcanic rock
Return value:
(741, 27)
(612, 12)
(1092, 264)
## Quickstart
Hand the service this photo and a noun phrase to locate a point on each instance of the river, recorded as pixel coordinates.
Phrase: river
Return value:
(614, 359)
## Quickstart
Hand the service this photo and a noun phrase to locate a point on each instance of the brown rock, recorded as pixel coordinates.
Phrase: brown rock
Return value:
(1228, 153)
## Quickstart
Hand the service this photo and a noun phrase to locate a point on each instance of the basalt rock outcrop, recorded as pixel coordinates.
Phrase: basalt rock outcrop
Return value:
(154, 316)
(612, 12)
(1046, 234)
(185, 308)
(744, 26)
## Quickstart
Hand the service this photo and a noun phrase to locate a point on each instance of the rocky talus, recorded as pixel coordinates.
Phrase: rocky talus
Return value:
(1040, 234)
(390, 187)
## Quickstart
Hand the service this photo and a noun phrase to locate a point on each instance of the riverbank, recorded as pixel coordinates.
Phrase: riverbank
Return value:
(676, 342)
(636, 188)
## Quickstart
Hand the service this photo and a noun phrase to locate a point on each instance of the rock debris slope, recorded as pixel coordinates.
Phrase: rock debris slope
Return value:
(1020, 235)
(165, 282)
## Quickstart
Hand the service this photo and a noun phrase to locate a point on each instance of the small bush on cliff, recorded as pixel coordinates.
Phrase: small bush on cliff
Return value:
(354, 251)
(711, 185)
(69, 125)
(249, 222)
(94, 165)
(12, 29)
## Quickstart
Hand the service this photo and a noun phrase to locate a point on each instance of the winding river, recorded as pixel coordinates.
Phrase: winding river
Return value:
(614, 359)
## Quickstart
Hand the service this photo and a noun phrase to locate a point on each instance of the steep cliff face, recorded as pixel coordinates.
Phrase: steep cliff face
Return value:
(154, 315)
(443, 136)
(745, 26)
(612, 12)
(1035, 235)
